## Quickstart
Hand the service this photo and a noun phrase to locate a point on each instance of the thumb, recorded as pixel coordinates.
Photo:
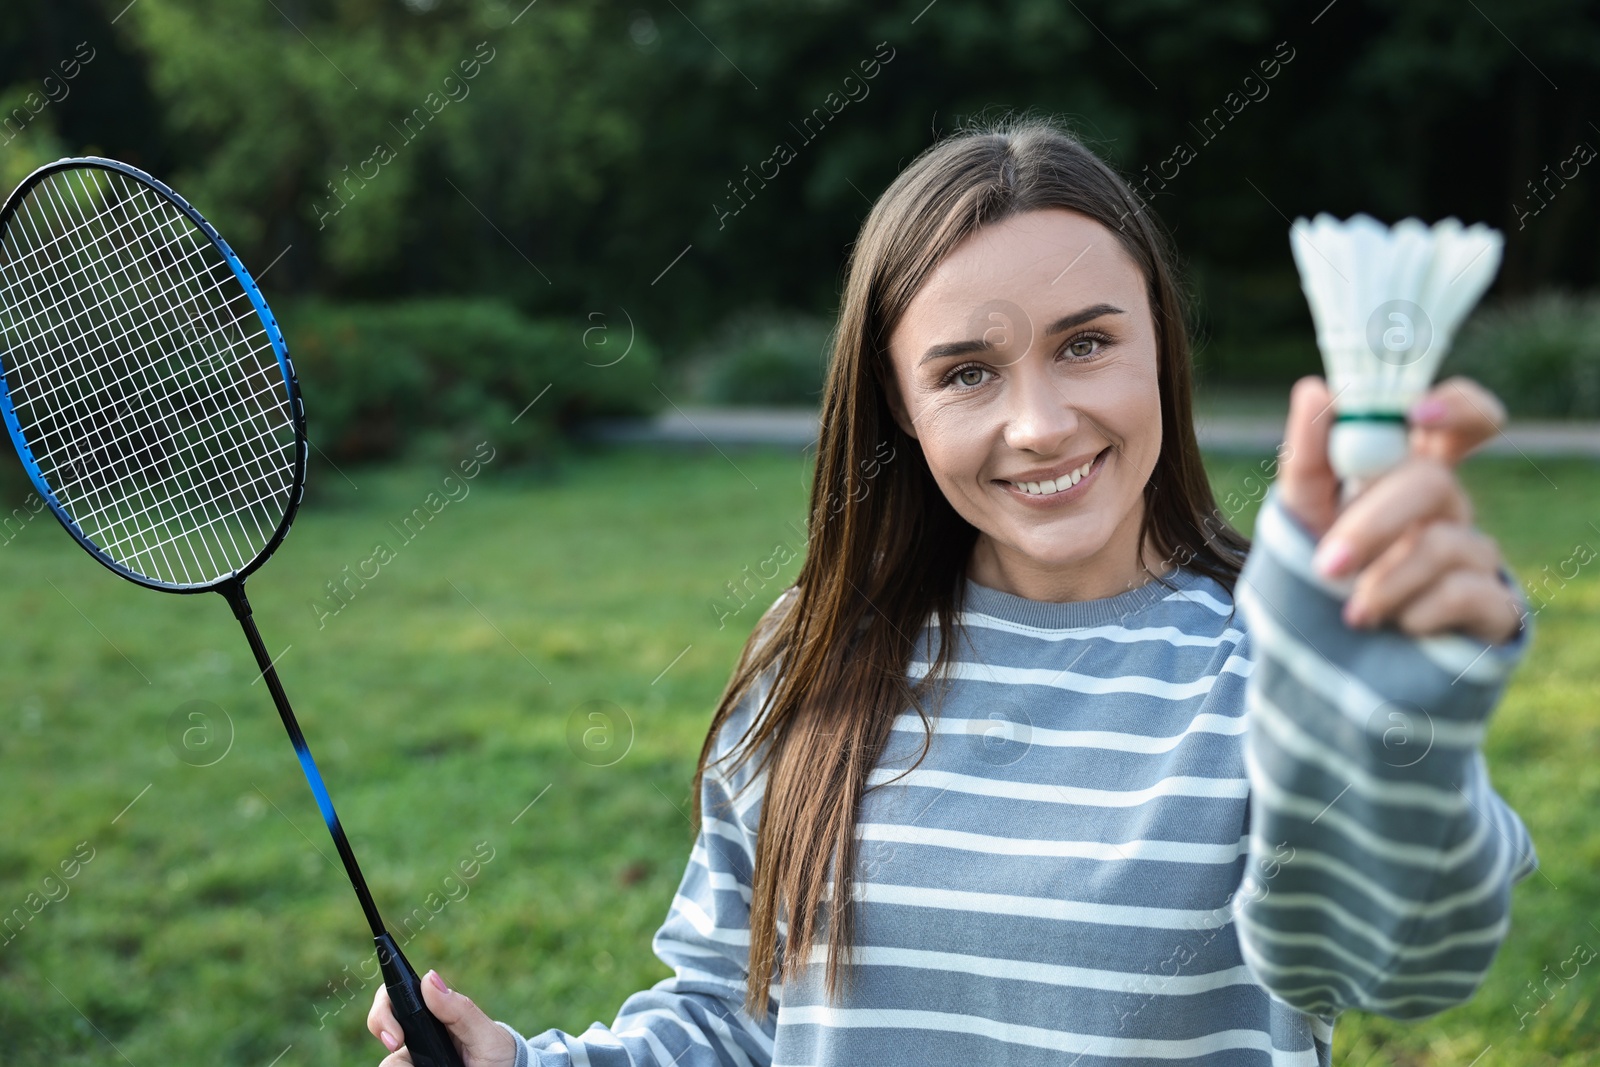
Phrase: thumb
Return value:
(482, 1040)
(1307, 484)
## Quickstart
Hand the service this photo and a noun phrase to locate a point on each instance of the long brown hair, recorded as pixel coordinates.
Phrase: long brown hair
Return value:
(886, 549)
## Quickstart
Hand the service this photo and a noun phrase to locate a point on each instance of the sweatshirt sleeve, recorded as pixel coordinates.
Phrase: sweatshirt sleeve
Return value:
(695, 1018)
(1381, 859)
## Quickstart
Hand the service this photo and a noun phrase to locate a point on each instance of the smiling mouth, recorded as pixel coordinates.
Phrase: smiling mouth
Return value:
(1060, 485)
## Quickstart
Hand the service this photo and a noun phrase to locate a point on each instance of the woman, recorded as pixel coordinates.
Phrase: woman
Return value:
(1124, 825)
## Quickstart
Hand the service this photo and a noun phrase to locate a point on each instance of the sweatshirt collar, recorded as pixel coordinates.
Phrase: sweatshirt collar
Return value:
(1052, 615)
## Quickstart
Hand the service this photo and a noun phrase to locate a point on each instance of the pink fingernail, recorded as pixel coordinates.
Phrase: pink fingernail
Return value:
(1331, 558)
(438, 982)
(388, 1041)
(1428, 410)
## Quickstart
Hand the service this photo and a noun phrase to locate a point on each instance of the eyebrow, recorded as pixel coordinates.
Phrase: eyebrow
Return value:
(1066, 322)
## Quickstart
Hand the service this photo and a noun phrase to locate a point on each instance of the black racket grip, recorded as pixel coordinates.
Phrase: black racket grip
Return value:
(426, 1038)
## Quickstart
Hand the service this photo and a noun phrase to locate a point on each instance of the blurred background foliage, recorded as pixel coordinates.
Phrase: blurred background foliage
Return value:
(1542, 353)
(436, 374)
(580, 158)
(763, 356)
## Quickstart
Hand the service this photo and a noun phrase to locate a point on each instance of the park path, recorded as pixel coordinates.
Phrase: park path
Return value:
(797, 427)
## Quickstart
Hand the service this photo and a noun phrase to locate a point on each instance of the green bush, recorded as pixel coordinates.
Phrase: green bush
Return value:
(1540, 354)
(763, 357)
(433, 377)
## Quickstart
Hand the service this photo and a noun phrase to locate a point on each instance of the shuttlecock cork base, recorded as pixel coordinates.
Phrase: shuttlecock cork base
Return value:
(1386, 302)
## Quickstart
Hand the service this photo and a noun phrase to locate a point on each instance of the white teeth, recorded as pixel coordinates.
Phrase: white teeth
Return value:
(1066, 481)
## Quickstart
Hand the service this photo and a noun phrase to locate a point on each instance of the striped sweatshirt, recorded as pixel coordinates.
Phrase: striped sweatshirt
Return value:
(1150, 829)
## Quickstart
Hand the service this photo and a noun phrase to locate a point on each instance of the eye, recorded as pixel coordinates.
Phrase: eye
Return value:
(1086, 346)
(967, 376)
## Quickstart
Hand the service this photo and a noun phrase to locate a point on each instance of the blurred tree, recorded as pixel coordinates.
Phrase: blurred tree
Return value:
(68, 53)
(686, 159)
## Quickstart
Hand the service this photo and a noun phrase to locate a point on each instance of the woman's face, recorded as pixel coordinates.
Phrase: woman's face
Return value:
(1026, 369)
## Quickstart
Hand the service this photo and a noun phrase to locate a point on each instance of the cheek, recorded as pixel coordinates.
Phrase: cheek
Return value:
(1133, 409)
(953, 461)
(948, 433)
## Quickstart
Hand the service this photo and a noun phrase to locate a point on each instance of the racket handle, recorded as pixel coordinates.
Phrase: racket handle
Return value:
(426, 1038)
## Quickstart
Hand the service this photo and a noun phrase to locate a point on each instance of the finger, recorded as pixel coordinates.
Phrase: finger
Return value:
(1415, 562)
(1418, 490)
(381, 1020)
(398, 1059)
(1469, 602)
(481, 1039)
(1307, 485)
(1454, 418)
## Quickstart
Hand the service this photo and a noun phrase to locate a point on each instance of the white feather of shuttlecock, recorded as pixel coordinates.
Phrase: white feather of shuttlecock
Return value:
(1351, 269)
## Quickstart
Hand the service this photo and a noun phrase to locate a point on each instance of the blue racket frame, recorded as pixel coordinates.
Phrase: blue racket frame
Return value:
(274, 335)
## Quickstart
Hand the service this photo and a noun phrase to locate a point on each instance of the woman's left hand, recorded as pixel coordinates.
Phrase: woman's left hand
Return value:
(1408, 536)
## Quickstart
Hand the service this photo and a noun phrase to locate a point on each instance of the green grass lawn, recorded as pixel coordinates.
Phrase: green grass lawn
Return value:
(454, 689)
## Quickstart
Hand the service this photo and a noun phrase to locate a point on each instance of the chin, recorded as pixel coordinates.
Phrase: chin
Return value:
(1050, 548)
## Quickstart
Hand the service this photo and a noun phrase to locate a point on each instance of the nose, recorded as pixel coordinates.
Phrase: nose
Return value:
(1040, 416)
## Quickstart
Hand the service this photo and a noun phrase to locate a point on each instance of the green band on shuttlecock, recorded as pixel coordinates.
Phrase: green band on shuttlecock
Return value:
(1370, 416)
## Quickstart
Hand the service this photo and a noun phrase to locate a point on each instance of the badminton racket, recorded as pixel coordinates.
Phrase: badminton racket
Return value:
(150, 396)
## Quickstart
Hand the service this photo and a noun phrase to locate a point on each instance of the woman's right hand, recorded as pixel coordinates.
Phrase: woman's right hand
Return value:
(481, 1041)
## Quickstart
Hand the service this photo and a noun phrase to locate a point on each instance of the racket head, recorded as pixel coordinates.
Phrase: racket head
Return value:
(144, 380)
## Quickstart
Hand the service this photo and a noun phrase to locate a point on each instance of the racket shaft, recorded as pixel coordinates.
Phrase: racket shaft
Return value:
(234, 591)
(427, 1039)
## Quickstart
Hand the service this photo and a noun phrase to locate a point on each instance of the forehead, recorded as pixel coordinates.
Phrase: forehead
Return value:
(1050, 262)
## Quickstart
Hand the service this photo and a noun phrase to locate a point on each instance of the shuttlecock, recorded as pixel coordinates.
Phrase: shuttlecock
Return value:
(1386, 302)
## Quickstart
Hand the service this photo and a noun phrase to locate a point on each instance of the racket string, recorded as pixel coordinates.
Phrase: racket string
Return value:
(67, 452)
(179, 414)
(46, 246)
(179, 452)
(88, 417)
(238, 487)
(83, 357)
(225, 382)
(208, 523)
(238, 381)
(40, 281)
(141, 383)
(97, 471)
(55, 267)
(255, 466)
(101, 482)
